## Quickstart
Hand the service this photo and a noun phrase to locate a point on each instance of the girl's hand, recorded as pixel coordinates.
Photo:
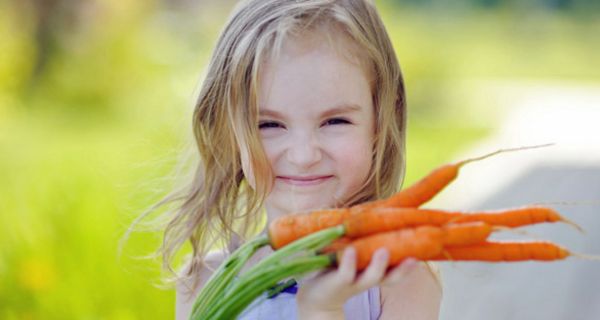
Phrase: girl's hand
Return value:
(323, 296)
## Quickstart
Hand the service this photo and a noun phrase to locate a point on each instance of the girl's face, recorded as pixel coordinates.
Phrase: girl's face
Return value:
(316, 122)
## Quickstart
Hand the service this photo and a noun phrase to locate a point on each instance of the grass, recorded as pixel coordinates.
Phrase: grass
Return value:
(68, 194)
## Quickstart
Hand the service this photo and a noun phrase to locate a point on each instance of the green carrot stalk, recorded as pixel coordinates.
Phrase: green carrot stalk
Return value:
(215, 287)
(255, 285)
(312, 242)
(265, 274)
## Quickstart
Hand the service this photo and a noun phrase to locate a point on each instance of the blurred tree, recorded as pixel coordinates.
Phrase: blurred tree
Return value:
(489, 3)
(54, 21)
(194, 4)
(559, 4)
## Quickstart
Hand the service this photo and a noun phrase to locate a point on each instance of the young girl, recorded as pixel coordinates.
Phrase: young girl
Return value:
(302, 108)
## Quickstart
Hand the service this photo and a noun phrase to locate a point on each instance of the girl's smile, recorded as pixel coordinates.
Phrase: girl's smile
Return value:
(304, 181)
(308, 181)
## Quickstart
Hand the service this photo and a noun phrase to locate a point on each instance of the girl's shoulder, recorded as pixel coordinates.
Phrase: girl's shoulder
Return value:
(188, 288)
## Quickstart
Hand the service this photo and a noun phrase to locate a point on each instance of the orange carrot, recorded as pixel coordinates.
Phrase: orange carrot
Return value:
(460, 234)
(454, 234)
(429, 186)
(423, 242)
(426, 188)
(507, 251)
(387, 219)
(295, 226)
(360, 223)
(516, 217)
(337, 245)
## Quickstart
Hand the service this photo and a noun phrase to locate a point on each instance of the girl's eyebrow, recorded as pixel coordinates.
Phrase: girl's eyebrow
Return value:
(342, 108)
(339, 109)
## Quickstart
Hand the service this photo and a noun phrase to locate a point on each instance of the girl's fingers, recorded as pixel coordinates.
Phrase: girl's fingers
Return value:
(375, 271)
(347, 269)
(400, 272)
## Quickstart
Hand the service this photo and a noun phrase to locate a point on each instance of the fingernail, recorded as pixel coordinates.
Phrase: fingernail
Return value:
(383, 253)
(409, 264)
(350, 253)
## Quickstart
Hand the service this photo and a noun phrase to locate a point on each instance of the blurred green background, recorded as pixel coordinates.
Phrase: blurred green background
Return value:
(95, 105)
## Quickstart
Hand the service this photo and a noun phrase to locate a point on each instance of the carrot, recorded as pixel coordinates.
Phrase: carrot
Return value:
(387, 219)
(517, 217)
(294, 226)
(426, 188)
(421, 243)
(337, 245)
(507, 251)
(429, 186)
(288, 228)
(454, 235)
(424, 242)
(359, 223)
(460, 234)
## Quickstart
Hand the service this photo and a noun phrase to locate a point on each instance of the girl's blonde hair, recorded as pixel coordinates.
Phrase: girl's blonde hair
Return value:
(218, 205)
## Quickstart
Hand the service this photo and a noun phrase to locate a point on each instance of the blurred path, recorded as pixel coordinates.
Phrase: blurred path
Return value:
(566, 172)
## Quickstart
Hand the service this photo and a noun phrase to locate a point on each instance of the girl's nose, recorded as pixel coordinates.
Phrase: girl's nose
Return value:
(304, 151)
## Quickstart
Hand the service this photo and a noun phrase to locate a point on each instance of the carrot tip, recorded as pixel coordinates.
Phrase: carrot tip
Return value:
(463, 162)
(517, 231)
(585, 256)
(574, 225)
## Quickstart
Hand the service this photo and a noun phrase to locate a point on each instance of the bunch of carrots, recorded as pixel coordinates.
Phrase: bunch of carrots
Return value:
(312, 241)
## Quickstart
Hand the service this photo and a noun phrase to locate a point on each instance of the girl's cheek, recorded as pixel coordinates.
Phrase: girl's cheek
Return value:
(356, 151)
(274, 150)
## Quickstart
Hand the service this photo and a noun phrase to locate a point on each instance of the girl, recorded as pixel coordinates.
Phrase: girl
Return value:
(303, 108)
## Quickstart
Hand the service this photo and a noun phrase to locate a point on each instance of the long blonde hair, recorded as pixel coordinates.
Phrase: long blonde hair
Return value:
(218, 205)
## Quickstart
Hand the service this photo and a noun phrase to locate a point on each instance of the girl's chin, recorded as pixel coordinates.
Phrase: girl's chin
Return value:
(282, 201)
(290, 207)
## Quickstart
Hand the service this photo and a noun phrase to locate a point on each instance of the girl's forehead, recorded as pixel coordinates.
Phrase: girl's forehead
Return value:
(327, 39)
(311, 75)
(314, 66)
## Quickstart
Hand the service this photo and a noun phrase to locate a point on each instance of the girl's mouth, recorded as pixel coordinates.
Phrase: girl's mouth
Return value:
(304, 180)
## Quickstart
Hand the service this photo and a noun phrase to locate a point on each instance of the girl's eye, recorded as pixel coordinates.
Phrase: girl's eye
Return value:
(268, 124)
(335, 121)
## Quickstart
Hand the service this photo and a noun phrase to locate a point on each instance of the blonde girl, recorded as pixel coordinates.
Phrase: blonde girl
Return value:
(303, 107)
